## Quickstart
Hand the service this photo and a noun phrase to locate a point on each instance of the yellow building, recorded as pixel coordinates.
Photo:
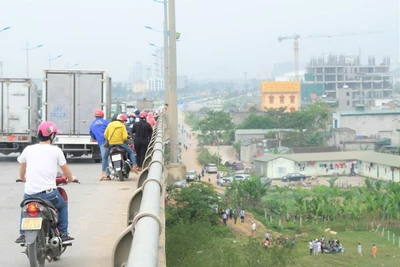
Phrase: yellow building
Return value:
(280, 94)
(140, 86)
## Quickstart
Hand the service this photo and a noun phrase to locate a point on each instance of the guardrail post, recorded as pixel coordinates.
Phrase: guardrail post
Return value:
(134, 204)
(122, 248)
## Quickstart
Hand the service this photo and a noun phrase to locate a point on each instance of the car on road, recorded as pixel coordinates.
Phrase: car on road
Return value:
(191, 175)
(180, 184)
(211, 168)
(240, 177)
(266, 181)
(236, 165)
(293, 177)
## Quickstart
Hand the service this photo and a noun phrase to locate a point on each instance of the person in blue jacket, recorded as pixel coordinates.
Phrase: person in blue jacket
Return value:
(131, 121)
(97, 129)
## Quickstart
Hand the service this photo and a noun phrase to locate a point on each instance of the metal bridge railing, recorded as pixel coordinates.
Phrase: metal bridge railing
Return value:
(138, 245)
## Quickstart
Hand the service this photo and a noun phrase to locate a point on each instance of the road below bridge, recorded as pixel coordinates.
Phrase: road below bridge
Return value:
(97, 214)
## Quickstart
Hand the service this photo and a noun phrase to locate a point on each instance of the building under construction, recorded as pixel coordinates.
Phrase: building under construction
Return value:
(367, 82)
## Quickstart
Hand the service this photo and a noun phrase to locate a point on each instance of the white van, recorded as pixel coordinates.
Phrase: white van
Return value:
(211, 168)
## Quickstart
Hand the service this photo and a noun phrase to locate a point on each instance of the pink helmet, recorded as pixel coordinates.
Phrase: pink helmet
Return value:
(122, 117)
(47, 128)
(142, 115)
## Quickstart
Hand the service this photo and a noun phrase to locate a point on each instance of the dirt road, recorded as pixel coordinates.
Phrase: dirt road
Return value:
(189, 158)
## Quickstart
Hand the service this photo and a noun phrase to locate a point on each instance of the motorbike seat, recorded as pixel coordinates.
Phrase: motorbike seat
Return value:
(117, 147)
(44, 202)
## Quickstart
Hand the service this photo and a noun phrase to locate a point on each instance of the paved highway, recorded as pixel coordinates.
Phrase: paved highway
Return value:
(97, 214)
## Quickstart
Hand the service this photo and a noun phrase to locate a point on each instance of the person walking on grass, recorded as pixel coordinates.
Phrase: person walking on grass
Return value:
(315, 247)
(311, 247)
(235, 216)
(253, 228)
(242, 214)
(374, 250)
(359, 248)
(224, 217)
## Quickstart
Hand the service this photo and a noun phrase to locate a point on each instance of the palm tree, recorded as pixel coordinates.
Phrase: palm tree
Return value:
(332, 181)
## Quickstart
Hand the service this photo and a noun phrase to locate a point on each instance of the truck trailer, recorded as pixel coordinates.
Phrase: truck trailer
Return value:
(145, 104)
(19, 114)
(69, 99)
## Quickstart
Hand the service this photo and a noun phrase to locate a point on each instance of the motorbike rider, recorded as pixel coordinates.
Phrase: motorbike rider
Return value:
(143, 132)
(116, 135)
(97, 129)
(150, 119)
(131, 121)
(137, 113)
(38, 168)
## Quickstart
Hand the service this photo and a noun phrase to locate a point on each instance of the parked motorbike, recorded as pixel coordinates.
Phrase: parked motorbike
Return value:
(120, 166)
(39, 221)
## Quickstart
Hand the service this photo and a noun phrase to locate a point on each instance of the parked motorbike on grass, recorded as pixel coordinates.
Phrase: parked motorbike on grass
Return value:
(39, 221)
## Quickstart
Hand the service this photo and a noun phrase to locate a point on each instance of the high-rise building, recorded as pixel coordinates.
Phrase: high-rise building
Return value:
(155, 84)
(367, 82)
(182, 82)
(148, 72)
(138, 72)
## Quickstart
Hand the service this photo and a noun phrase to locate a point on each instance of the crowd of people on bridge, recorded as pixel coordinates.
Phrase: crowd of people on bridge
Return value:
(130, 131)
(39, 162)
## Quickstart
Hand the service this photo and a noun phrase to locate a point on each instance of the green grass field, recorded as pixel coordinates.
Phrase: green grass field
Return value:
(388, 254)
(219, 248)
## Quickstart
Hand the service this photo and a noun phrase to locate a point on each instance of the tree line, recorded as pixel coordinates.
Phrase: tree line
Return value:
(308, 124)
(352, 208)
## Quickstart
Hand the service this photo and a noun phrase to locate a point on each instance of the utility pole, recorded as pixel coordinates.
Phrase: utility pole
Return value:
(296, 59)
(27, 60)
(173, 119)
(166, 54)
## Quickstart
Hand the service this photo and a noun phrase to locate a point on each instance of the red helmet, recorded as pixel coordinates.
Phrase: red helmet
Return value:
(122, 117)
(99, 113)
(47, 128)
(142, 115)
(131, 115)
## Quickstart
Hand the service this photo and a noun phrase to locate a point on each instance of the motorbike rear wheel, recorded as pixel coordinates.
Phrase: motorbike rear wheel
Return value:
(35, 251)
(57, 258)
(120, 175)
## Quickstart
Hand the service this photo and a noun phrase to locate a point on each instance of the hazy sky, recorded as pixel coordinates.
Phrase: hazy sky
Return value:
(219, 38)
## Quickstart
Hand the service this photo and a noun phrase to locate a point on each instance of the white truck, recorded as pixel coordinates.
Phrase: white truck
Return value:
(19, 114)
(69, 99)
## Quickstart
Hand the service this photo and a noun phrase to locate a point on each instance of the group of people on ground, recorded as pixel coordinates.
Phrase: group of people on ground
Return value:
(230, 213)
(137, 126)
(325, 246)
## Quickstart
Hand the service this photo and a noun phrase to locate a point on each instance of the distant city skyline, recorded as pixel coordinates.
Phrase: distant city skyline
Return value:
(219, 39)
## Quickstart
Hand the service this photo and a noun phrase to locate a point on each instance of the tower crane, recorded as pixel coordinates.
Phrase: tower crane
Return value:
(296, 38)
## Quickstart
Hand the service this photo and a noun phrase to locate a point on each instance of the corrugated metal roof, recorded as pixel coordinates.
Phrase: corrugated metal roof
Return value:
(314, 149)
(368, 156)
(260, 131)
(382, 158)
(343, 129)
(251, 131)
(369, 112)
